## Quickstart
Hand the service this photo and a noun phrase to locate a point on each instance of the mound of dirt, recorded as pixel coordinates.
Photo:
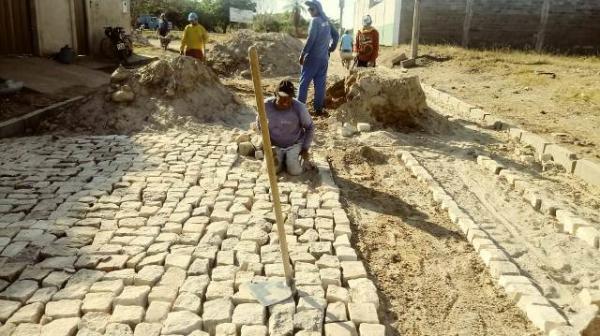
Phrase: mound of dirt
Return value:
(278, 54)
(379, 96)
(168, 93)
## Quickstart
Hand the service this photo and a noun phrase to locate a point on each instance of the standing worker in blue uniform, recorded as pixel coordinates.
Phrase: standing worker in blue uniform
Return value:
(322, 40)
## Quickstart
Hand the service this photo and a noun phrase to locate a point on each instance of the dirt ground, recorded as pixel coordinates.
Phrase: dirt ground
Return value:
(544, 93)
(432, 282)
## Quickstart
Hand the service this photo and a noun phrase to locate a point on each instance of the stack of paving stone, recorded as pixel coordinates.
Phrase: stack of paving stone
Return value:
(161, 235)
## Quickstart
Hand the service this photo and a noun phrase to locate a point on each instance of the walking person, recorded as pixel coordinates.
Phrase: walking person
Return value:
(367, 44)
(314, 59)
(194, 38)
(163, 31)
(291, 129)
(346, 47)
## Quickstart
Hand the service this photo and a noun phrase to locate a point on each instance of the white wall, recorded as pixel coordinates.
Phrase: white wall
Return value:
(386, 19)
(102, 13)
(55, 25)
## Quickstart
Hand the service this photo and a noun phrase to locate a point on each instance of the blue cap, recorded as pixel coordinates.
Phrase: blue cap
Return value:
(193, 17)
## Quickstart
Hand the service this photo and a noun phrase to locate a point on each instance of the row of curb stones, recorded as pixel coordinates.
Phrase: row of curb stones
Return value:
(542, 202)
(518, 287)
(586, 169)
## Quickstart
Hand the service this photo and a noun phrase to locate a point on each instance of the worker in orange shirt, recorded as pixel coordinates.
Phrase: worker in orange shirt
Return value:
(367, 44)
(194, 38)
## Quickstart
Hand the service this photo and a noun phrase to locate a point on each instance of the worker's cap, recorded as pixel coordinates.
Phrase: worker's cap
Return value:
(286, 89)
(367, 21)
(311, 4)
(193, 17)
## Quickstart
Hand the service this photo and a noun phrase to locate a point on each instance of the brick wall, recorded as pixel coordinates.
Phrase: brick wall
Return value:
(572, 24)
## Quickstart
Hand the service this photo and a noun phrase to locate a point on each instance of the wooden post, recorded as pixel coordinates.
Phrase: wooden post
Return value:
(264, 127)
(416, 29)
(341, 17)
(467, 23)
(539, 44)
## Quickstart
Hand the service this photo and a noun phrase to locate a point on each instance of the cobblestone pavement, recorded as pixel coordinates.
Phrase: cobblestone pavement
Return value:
(161, 235)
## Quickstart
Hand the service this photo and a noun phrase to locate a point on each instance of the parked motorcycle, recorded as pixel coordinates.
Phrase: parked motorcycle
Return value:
(116, 44)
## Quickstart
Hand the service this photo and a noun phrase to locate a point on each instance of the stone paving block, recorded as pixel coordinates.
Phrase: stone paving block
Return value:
(363, 313)
(148, 275)
(281, 323)
(173, 277)
(307, 278)
(588, 170)
(311, 302)
(336, 293)
(328, 261)
(23, 329)
(63, 309)
(226, 329)
(196, 285)
(42, 295)
(249, 314)
(95, 322)
(30, 313)
(225, 258)
(588, 234)
(181, 261)
(544, 317)
(253, 330)
(61, 327)
(353, 270)
(311, 319)
(118, 329)
(216, 312)
(126, 275)
(19, 291)
(367, 329)
(97, 302)
(162, 293)
(157, 311)
(133, 296)
(187, 301)
(131, 315)
(147, 329)
(499, 268)
(336, 312)
(219, 289)
(340, 329)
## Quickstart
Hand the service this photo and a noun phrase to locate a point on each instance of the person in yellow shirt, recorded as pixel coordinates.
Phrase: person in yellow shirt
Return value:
(194, 38)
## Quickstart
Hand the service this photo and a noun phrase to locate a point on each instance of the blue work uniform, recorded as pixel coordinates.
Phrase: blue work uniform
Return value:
(322, 40)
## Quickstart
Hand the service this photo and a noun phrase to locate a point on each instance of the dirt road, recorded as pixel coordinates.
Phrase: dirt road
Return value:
(432, 281)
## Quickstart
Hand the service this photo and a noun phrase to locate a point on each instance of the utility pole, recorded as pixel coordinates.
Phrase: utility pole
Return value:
(416, 29)
(341, 17)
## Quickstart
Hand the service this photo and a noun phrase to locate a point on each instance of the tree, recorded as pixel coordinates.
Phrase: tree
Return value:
(297, 9)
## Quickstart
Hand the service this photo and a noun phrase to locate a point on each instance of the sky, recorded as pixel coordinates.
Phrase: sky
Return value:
(331, 8)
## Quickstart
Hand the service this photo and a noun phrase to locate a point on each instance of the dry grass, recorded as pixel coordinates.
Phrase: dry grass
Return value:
(579, 75)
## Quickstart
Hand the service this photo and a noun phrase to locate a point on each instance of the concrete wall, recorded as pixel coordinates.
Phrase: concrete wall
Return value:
(570, 24)
(104, 13)
(385, 16)
(55, 25)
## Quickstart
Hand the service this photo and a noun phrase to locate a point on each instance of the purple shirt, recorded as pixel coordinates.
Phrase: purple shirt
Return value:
(291, 126)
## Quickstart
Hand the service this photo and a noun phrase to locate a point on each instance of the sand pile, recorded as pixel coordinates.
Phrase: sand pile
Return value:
(379, 96)
(168, 93)
(278, 54)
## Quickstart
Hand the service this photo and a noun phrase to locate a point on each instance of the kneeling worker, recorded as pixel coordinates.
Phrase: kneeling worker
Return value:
(291, 128)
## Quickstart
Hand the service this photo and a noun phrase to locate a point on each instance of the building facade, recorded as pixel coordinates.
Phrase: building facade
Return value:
(43, 27)
(527, 24)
